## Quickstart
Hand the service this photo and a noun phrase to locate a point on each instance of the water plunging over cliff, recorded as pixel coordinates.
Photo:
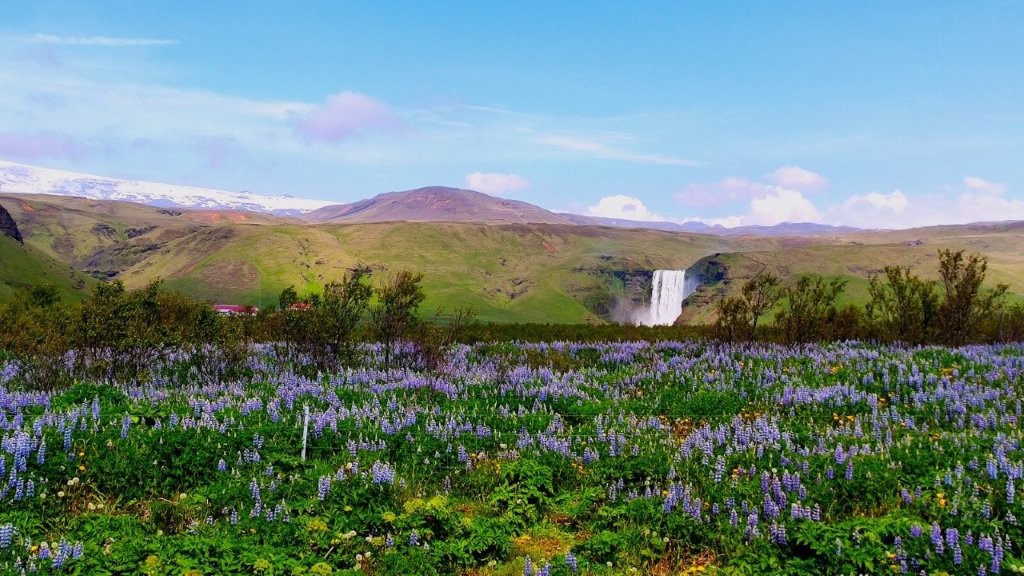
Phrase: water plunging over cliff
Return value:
(668, 290)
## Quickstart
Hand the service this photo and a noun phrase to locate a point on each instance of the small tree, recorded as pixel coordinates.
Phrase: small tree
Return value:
(731, 324)
(964, 305)
(738, 316)
(36, 330)
(287, 297)
(761, 294)
(337, 317)
(810, 307)
(904, 307)
(393, 314)
(434, 339)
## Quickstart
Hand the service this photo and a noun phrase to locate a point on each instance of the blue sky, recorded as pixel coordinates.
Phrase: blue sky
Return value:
(863, 113)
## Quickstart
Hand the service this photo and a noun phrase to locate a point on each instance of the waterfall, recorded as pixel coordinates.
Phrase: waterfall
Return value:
(668, 290)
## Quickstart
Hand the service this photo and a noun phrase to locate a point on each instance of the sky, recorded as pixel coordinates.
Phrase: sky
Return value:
(860, 113)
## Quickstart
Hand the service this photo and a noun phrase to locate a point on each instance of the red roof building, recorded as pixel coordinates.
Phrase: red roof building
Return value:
(233, 309)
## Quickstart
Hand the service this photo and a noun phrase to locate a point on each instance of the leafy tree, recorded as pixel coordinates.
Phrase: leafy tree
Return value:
(964, 305)
(904, 307)
(393, 314)
(434, 340)
(336, 318)
(36, 330)
(738, 316)
(731, 324)
(810, 308)
(287, 297)
(760, 293)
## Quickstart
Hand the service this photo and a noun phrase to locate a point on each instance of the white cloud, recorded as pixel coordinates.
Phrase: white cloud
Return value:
(899, 210)
(798, 178)
(782, 205)
(875, 210)
(727, 190)
(624, 207)
(774, 206)
(104, 41)
(984, 186)
(601, 150)
(895, 201)
(495, 182)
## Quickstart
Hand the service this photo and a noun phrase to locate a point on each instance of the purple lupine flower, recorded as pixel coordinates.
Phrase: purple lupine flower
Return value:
(382, 473)
(222, 465)
(414, 538)
(936, 537)
(6, 535)
(571, 562)
(915, 531)
(125, 424)
(952, 537)
(323, 486)
(528, 566)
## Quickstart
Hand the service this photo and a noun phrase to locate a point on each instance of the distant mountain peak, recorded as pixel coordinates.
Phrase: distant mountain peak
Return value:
(438, 204)
(23, 179)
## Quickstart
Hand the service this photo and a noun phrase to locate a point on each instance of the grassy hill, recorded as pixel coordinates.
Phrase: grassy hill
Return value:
(25, 266)
(507, 272)
(856, 256)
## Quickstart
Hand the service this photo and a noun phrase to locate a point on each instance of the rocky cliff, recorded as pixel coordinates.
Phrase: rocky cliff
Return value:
(8, 227)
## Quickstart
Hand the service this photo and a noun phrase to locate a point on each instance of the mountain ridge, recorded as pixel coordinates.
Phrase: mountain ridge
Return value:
(18, 178)
(436, 204)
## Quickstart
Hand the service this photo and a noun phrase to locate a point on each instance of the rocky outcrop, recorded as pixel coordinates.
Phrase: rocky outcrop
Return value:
(8, 227)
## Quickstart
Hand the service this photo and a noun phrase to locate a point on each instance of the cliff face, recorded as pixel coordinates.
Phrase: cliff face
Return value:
(8, 227)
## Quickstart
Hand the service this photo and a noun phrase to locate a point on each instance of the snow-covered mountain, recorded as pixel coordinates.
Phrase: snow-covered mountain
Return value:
(23, 179)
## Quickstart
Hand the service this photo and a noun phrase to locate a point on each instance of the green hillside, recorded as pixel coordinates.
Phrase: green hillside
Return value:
(857, 257)
(513, 272)
(25, 266)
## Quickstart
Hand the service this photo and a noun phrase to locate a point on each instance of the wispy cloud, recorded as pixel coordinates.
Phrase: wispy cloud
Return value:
(984, 186)
(345, 115)
(102, 41)
(725, 191)
(38, 145)
(599, 149)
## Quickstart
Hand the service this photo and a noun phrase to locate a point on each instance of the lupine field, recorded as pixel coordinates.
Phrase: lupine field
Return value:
(527, 459)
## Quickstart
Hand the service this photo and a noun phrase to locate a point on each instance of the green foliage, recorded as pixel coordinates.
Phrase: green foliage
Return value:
(393, 312)
(904, 308)
(738, 316)
(524, 493)
(287, 297)
(810, 309)
(964, 306)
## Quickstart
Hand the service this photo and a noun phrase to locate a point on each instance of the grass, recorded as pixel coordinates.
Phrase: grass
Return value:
(24, 266)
